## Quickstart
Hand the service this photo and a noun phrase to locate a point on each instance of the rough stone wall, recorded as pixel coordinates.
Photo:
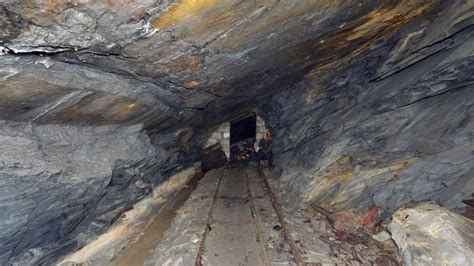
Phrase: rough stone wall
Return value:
(261, 129)
(221, 135)
(60, 186)
(388, 131)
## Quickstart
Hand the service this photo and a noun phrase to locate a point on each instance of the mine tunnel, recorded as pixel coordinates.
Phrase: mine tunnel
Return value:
(197, 132)
(243, 135)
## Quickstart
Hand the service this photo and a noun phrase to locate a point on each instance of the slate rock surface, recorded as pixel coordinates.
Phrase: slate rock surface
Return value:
(396, 127)
(60, 186)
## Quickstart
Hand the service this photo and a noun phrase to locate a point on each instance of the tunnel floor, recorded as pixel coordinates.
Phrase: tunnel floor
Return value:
(233, 217)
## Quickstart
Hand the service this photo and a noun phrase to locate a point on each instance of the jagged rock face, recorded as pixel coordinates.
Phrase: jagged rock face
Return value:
(395, 128)
(63, 185)
(369, 101)
(54, 184)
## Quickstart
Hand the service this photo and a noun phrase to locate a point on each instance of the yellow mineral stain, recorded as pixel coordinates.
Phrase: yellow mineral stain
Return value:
(343, 162)
(221, 20)
(361, 33)
(183, 10)
(340, 174)
(389, 19)
(398, 169)
(120, 110)
(191, 84)
(52, 6)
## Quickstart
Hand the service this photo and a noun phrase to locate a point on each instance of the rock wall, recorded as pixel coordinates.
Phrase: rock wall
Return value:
(221, 135)
(261, 129)
(60, 186)
(396, 127)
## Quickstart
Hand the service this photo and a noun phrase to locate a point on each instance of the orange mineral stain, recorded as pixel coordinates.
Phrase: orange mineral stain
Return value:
(390, 19)
(122, 109)
(361, 33)
(191, 84)
(185, 9)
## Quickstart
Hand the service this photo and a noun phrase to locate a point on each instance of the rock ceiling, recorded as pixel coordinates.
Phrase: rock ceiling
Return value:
(166, 63)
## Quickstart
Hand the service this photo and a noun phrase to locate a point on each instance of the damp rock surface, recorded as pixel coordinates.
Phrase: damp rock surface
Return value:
(432, 235)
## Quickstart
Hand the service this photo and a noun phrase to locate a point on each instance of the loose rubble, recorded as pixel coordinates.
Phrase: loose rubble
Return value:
(351, 244)
(382, 236)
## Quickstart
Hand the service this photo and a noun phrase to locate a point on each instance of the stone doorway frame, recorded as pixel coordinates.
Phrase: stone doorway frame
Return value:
(222, 133)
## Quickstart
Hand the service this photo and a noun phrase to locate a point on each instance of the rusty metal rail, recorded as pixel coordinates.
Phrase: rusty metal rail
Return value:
(202, 246)
(294, 249)
(286, 231)
(260, 237)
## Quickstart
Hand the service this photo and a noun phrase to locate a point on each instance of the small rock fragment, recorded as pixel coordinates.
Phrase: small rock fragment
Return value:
(46, 62)
(382, 236)
(195, 239)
